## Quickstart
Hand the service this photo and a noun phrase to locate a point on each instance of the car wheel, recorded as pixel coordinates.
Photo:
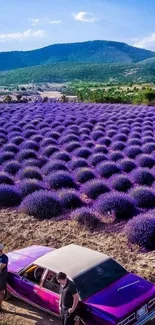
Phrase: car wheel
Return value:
(7, 295)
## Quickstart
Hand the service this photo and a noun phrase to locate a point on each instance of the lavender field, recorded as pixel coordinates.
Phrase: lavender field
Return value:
(91, 163)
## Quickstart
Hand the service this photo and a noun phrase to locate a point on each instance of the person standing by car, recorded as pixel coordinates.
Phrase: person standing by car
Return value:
(69, 299)
(3, 274)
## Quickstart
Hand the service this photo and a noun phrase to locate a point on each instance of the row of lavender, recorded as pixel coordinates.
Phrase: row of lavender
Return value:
(81, 160)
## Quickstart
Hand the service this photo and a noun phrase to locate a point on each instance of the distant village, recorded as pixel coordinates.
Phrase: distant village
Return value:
(35, 93)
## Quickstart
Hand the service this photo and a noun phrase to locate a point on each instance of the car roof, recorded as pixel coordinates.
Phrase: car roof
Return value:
(71, 259)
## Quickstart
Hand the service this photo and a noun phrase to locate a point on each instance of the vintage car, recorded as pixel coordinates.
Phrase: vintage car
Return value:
(109, 294)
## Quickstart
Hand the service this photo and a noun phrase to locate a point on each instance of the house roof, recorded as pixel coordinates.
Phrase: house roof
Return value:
(72, 260)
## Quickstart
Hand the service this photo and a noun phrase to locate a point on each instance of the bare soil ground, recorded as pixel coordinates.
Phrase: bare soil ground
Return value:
(18, 313)
(51, 94)
(18, 231)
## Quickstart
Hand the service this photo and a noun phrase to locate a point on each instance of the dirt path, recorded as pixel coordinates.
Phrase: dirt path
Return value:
(19, 313)
(18, 230)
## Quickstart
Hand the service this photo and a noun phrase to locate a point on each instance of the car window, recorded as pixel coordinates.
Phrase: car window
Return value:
(33, 273)
(51, 283)
(98, 278)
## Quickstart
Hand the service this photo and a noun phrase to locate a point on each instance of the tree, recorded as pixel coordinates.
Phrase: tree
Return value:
(45, 99)
(25, 100)
(145, 97)
(8, 99)
(64, 99)
(19, 97)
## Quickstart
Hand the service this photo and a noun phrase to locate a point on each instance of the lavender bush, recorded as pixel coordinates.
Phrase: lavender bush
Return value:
(133, 151)
(121, 183)
(9, 195)
(5, 178)
(84, 174)
(82, 153)
(12, 167)
(119, 204)
(77, 163)
(61, 155)
(28, 186)
(26, 154)
(72, 146)
(42, 205)
(29, 144)
(61, 179)
(54, 165)
(127, 165)
(142, 176)
(94, 188)
(10, 148)
(100, 149)
(87, 218)
(17, 140)
(70, 199)
(107, 169)
(49, 150)
(144, 197)
(97, 158)
(30, 172)
(141, 230)
(145, 160)
(67, 147)
(6, 156)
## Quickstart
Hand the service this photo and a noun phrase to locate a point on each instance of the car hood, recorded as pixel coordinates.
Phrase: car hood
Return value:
(21, 258)
(122, 297)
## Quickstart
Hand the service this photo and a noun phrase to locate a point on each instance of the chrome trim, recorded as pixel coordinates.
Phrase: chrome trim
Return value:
(151, 303)
(128, 285)
(128, 320)
(150, 316)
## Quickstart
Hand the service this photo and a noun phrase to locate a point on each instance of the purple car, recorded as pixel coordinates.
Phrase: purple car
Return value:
(109, 294)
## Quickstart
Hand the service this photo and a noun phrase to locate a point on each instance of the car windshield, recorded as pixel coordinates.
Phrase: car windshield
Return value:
(98, 278)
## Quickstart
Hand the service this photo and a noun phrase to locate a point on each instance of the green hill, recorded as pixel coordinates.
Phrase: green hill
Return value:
(147, 61)
(64, 72)
(105, 52)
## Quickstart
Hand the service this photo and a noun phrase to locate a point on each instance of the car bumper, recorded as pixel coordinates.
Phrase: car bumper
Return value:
(148, 319)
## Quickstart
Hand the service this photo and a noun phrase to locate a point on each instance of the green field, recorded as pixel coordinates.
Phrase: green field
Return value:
(112, 93)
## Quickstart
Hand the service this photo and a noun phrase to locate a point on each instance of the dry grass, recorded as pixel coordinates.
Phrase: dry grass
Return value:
(18, 230)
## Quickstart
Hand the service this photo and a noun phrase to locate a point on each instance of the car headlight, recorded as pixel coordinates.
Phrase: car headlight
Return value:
(127, 320)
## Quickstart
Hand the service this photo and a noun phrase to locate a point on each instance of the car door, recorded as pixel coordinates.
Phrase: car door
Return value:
(26, 286)
(48, 294)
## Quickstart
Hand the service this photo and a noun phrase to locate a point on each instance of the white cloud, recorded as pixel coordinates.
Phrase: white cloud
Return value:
(146, 42)
(34, 21)
(55, 22)
(85, 17)
(38, 33)
(21, 36)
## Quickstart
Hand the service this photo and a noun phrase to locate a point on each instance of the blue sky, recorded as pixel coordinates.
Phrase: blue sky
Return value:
(30, 24)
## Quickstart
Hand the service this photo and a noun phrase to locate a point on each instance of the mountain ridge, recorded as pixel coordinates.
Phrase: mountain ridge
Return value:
(97, 51)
